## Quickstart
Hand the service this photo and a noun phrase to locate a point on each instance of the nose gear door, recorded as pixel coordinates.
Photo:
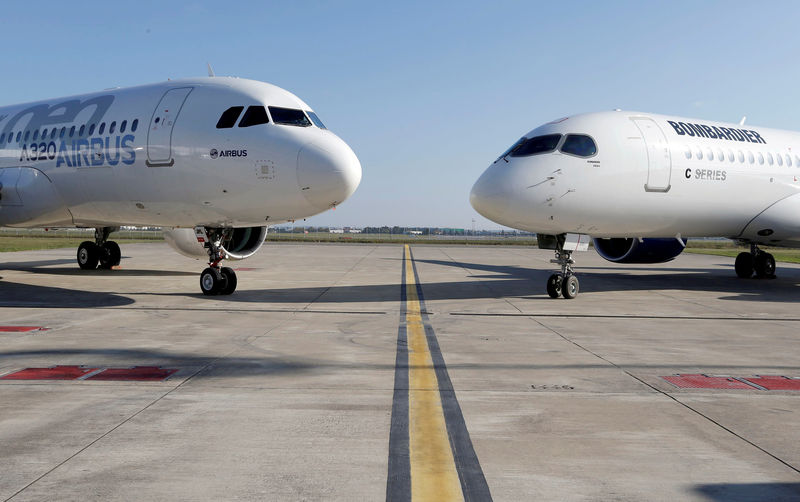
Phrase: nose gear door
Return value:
(159, 135)
(659, 159)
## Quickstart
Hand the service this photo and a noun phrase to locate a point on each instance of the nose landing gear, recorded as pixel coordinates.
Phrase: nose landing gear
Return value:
(756, 261)
(565, 284)
(102, 253)
(215, 280)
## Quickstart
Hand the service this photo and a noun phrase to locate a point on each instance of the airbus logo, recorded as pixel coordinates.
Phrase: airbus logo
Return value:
(227, 153)
(214, 153)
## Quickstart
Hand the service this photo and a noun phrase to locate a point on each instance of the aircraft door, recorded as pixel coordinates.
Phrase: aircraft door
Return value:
(659, 159)
(159, 135)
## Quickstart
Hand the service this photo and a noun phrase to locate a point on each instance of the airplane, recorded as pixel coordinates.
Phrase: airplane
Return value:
(213, 161)
(639, 184)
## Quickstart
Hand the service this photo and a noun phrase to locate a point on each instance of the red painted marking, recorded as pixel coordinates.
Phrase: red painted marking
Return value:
(21, 329)
(775, 382)
(53, 373)
(137, 373)
(706, 382)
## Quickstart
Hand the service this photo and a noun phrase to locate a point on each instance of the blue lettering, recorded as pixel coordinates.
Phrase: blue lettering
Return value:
(126, 140)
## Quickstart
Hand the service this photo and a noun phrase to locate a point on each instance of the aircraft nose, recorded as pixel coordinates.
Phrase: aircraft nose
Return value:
(328, 172)
(489, 196)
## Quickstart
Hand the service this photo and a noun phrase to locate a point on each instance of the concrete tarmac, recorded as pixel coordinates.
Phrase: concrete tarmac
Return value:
(290, 388)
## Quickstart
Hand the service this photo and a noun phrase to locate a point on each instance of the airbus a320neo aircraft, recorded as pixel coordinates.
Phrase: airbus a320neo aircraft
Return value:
(639, 184)
(212, 160)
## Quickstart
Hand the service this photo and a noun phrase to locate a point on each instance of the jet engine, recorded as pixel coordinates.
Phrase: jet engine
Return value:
(237, 243)
(622, 250)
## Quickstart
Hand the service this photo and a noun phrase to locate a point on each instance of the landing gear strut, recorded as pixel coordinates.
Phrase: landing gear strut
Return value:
(756, 261)
(566, 283)
(102, 253)
(216, 280)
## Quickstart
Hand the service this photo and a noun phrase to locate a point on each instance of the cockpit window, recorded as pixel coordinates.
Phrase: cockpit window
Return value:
(228, 117)
(511, 149)
(536, 145)
(254, 115)
(580, 145)
(289, 116)
(317, 122)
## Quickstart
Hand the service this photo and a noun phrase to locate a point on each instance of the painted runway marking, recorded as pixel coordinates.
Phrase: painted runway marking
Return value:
(430, 452)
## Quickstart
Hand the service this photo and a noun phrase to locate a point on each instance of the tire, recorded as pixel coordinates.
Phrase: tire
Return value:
(110, 255)
(764, 265)
(554, 286)
(570, 287)
(230, 284)
(212, 281)
(744, 265)
(88, 255)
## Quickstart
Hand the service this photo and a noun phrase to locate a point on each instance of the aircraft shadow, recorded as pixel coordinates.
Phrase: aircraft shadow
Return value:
(749, 492)
(18, 295)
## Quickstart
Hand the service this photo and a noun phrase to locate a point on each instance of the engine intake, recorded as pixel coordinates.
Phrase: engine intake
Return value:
(240, 243)
(622, 250)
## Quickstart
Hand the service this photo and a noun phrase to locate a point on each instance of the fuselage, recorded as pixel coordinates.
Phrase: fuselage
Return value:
(630, 174)
(215, 152)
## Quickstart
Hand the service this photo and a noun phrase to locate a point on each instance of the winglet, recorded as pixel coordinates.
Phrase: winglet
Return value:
(741, 122)
(210, 70)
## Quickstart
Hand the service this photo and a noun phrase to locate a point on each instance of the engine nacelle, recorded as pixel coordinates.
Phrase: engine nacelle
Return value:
(622, 250)
(242, 242)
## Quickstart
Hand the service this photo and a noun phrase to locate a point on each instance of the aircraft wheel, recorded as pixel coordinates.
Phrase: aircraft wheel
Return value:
(88, 255)
(554, 286)
(230, 284)
(212, 281)
(764, 265)
(110, 255)
(571, 287)
(744, 265)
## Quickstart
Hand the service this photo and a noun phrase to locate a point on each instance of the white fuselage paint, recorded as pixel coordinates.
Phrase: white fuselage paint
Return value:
(648, 180)
(177, 169)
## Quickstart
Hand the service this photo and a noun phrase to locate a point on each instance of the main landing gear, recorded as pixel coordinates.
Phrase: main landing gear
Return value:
(756, 261)
(216, 280)
(565, 283)
(102, 253)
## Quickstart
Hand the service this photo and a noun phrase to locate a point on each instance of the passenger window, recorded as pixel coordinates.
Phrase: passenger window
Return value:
(27, 135)
(91, 129)
(699, 154)
(112, 127)
(229, 116)
(134, 125)
(63, 131)
(44, 133)
(315, 119)
(102, 128)
(770, 161)
(710, 154)
(122, 126)
(788, 160)
(720, 155)
(730, 156)
(760, 158)
(537, 145)
(53, 133)
(35, 135)
(688, 152)
(2, 137)
(580, 145)
(779, 158)
(82, 130)
(289, 116)
(741, 157)
(72, 131)
(255, 115)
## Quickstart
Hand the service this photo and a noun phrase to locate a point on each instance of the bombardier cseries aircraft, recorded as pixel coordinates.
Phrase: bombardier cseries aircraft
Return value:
(212, 160)
(639, 184)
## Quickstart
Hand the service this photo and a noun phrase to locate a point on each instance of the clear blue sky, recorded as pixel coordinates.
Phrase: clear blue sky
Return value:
(426, 93)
